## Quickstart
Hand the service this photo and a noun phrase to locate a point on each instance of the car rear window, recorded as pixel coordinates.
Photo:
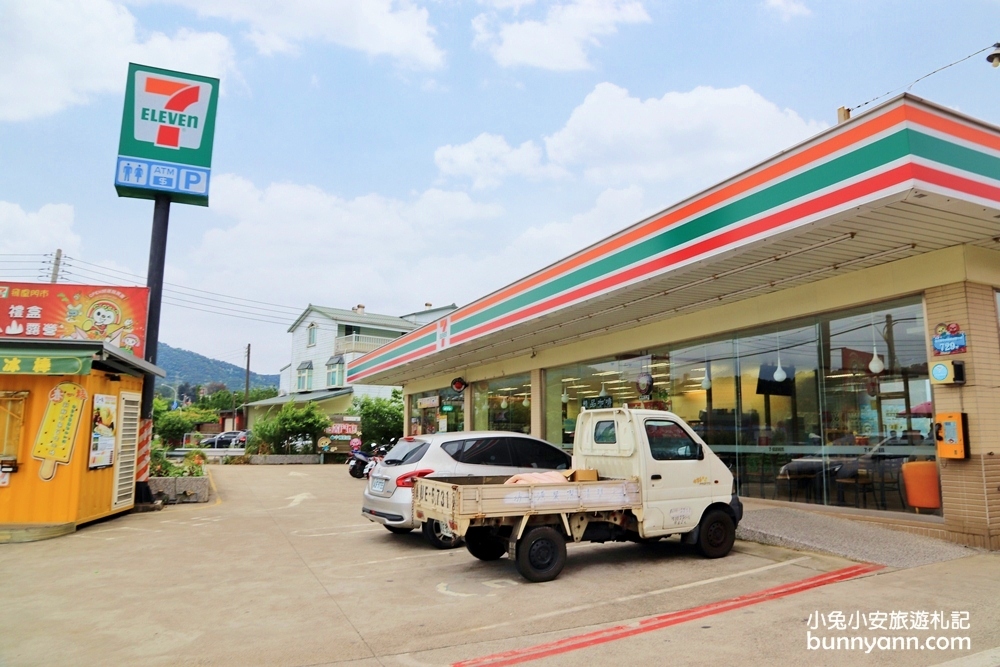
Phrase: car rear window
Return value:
(406, 451)
(534, 454)
(489, 451)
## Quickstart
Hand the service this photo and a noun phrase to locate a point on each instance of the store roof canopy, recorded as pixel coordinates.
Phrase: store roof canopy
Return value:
(69, 357)
(907, 178)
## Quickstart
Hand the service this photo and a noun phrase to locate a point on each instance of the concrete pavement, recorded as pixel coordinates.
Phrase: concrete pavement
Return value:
(285, 571)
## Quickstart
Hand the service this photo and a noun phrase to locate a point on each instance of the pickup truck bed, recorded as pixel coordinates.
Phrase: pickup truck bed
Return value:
(459, 500)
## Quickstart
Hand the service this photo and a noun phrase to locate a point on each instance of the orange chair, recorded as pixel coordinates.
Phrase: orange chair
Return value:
(922, 484)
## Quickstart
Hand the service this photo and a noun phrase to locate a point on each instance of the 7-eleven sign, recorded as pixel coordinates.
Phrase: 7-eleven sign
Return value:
(169, 111)
(167, 130)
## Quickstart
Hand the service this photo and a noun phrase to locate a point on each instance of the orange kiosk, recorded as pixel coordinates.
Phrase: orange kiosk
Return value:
(69, 425)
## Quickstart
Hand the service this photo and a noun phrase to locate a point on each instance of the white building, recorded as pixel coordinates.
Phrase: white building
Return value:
(325, 339)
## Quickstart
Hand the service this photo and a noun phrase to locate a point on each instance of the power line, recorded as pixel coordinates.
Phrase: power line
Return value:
(191, 289)
(918, 79)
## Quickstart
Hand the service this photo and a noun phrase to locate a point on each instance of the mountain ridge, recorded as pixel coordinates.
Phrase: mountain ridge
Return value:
(196, 369)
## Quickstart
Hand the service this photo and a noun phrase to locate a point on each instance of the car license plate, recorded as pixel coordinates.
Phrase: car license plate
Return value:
(378, 484)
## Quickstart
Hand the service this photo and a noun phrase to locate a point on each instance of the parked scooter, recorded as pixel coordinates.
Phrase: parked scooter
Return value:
(375, 459)
(357, 464)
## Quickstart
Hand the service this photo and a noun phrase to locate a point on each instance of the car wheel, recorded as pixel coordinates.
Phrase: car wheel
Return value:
(436, 537)
(484, 545)
(398, 530)
(716, 534)
(541, 554)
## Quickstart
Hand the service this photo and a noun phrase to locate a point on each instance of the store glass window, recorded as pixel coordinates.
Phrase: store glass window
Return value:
(503, 404)
(438, 411)
(639, 380)
(826, 409)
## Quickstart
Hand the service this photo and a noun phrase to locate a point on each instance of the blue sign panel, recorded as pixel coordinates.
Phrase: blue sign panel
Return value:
(949, 344)
(165, 176)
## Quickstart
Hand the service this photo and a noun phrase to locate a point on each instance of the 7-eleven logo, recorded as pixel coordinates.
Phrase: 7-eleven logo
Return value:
(170, 111)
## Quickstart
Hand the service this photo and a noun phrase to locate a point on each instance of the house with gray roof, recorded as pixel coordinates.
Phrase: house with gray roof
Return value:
(324, 340)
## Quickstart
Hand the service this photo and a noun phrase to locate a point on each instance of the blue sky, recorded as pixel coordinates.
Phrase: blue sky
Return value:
(396, 153)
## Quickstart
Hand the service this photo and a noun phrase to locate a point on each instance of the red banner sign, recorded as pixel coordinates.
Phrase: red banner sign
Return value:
(54, 311)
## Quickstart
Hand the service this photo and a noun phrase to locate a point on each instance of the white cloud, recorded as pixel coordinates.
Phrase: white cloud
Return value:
(488, 159)
(39, 232)
(514, 5)
(58, 53)
(688, 139)
(683, 140)
(787, 9)
(560, 41)
(394, 28)
(299, 244)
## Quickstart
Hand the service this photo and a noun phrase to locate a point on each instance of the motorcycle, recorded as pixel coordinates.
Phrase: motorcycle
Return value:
(375, 459)
(357, 463)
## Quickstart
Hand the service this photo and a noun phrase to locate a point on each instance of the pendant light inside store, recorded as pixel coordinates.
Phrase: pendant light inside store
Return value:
(565, 396)
(503, 403)
(875, 365)
(527, 402)
(706, 382)
(604, 392)
(779, 373)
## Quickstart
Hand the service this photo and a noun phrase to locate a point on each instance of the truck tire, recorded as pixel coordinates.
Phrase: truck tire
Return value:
(541, 554)
(484, 545)
(436, 537)
(716, 534)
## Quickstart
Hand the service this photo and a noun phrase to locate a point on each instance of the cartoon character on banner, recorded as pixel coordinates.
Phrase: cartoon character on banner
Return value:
(104, 323)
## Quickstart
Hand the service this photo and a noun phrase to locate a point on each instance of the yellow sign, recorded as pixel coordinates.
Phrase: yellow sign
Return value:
(57, 432)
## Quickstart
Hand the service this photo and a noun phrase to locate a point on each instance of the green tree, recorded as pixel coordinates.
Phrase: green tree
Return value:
(292, 422)
(381, 418)
(172, 426)
(223, 399)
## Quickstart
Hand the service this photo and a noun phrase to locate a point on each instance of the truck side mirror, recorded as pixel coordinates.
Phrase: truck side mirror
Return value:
(701, 453)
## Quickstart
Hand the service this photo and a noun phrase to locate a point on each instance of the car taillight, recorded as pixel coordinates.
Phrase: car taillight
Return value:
(407, 480)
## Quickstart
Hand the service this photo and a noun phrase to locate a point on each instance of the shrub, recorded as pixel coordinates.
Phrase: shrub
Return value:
(275, 434)
(172, 426)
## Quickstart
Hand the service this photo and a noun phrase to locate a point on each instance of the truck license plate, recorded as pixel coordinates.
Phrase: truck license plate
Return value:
(378, 484)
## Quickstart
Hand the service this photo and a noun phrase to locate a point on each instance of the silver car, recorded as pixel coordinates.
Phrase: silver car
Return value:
(389, 494)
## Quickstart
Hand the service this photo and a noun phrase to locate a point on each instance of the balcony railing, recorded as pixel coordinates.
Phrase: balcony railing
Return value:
(358, 343)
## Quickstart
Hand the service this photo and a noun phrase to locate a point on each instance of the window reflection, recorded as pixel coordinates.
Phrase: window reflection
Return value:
(823, 410)
(503, 404)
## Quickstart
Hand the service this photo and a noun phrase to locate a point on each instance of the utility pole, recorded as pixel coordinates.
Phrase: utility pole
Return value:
(56, 265)
(246, 395)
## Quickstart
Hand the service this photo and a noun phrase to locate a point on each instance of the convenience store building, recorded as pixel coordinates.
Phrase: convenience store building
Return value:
(824, 320)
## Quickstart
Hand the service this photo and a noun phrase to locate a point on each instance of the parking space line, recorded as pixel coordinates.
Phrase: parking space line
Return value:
(650, 624)
(393, 560)
(637, 596)
(305, 532)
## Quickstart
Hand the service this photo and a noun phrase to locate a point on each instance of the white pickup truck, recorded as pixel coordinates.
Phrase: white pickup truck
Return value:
(655, 477)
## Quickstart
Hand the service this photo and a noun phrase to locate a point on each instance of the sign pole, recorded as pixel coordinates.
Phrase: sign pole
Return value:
(154, 281)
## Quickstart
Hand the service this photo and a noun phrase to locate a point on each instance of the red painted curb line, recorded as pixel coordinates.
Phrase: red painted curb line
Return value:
(665, 620)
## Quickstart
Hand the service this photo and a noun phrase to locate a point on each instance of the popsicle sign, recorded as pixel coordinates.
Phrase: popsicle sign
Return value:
(57, 433)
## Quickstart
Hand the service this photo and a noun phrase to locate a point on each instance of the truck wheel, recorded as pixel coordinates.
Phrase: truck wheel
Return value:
(716, 534)
(398, 530)
(436, 537)
(484, 545)
(541, 554)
